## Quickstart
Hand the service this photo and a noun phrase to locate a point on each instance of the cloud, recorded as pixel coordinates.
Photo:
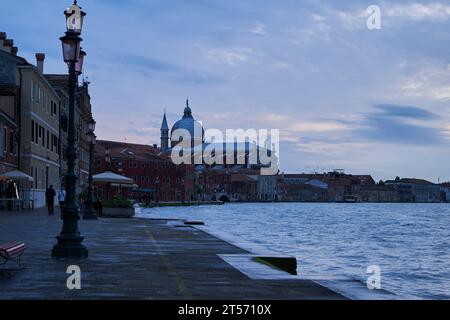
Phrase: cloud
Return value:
(405, 112)
(394, 125)
(418, 11)
(148, 63)
(258, 29)
(229, 56)
(430, 82)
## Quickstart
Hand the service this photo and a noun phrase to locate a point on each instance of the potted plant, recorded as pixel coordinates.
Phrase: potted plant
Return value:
(118, 207)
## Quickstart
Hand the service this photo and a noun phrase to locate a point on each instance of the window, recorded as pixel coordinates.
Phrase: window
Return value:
(32, 130)
(1, 144)
(42, 136)
(5, 139)
(11, 142)
(55, 143)
(133, 165)
(119, 164)
(54, 110)
(48, 140)
(36, 134)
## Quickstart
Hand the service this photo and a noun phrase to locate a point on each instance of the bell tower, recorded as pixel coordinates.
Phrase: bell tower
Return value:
(164, 134)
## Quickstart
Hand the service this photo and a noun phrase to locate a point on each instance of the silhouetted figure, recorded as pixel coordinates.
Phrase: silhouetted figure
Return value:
(50, 199)
(62, 197)
(97, 206)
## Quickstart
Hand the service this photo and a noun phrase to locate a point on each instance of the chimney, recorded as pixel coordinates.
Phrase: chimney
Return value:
(14, 50)
(2, 39)
(40, 57)
(7, 45)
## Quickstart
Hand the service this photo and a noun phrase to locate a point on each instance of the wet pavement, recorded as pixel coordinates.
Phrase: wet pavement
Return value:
(137, 259)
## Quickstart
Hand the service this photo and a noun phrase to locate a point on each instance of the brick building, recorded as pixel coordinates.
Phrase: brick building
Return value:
(9, 105)
(156, 178)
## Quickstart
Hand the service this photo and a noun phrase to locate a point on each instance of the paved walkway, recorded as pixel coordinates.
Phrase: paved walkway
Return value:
(136, 259)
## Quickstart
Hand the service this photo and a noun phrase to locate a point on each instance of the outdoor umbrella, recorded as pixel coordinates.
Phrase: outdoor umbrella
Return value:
(110, 177)
(16, 175)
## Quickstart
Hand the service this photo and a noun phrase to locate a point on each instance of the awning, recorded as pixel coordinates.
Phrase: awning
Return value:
(110, 177)
(16, 175)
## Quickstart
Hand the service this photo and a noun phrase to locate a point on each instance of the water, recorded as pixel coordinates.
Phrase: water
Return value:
(410, 242)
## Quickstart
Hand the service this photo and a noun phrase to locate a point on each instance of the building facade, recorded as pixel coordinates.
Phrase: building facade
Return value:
(9, 104)
(83, 116)
(39, 136)
(416, 190)
(30, 138)
(155, 177)
(9, 109)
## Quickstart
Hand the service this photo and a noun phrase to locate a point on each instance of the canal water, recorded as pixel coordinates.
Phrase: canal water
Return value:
(409, 242)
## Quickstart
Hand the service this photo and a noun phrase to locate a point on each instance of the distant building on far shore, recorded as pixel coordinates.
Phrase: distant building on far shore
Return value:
(416, 190)
(445, 192)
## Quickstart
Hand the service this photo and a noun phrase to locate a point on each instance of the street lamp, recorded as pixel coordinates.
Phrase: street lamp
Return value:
(157, 189)
(74, 18)
(89, 214)
(79, 63)
(70, 240)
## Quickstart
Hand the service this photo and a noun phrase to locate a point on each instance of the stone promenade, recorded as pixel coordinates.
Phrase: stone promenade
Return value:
(135, 259)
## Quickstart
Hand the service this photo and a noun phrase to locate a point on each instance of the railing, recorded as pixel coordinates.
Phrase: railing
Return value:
(8, 204)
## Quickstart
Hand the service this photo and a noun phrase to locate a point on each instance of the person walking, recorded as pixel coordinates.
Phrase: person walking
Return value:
(50, 199)
(62, 197)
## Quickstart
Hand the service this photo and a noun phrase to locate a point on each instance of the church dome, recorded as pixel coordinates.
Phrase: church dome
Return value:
(187, 122)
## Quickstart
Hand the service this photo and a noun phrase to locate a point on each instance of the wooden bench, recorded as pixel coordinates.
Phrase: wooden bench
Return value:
(12, 251)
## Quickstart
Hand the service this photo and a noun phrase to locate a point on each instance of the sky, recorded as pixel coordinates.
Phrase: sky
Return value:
(343, 96)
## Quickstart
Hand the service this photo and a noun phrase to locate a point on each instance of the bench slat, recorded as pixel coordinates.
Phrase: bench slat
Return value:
(18, 247)
(6, 246)
(12, 250)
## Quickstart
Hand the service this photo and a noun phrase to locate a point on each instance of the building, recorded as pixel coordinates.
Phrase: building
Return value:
(156, 178)
(445, 192)
(30, 121)
(227, 185)
(39, 151)
(9, 105)
(83, 116)
(267, 188)
(186, 123)
(378, 193)
(416, 190)
(241, 155)
(60, 84)
(335, 186)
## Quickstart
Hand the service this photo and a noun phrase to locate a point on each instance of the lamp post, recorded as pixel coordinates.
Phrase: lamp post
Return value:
(157, 190)
(70, 240)
(89, 214)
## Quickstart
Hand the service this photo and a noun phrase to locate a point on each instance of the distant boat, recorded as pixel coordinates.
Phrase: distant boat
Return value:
(351, 199)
